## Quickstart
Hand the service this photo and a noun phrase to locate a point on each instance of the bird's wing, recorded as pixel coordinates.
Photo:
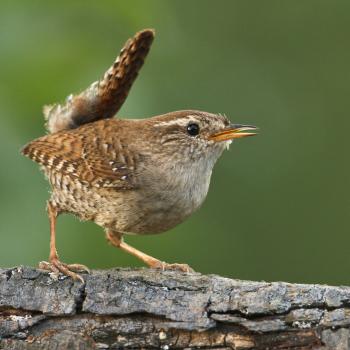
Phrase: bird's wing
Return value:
(87, 157)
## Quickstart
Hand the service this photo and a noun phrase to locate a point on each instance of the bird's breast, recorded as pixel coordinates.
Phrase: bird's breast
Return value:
(172, 196)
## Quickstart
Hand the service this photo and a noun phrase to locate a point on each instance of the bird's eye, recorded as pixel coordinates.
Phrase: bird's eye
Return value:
(193, 129)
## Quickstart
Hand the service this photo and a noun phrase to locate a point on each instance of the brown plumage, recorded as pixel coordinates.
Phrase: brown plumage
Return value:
(103, 99)
(128, 176)
(92, 154)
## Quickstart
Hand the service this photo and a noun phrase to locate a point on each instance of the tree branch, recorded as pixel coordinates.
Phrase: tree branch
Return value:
(128, 308)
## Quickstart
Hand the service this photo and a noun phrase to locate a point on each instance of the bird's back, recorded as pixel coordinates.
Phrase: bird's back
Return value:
(95, 154)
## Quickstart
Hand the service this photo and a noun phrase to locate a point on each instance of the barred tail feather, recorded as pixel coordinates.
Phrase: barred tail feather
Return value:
(103, 98)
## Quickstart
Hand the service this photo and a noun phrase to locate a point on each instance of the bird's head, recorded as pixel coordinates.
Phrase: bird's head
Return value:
(195, 135)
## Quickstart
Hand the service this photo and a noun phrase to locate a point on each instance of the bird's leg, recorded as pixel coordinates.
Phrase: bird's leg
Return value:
(116, 239)
(55, 265)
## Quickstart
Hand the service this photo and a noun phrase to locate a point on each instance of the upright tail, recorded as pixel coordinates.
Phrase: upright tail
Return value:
(103, 98)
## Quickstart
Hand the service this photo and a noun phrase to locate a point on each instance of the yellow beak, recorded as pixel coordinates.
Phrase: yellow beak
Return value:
(234, 131)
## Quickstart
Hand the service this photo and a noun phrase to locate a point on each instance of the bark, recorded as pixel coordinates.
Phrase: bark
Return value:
(141, 308)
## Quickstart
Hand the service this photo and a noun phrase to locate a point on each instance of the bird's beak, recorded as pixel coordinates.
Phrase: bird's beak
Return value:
(234, 131)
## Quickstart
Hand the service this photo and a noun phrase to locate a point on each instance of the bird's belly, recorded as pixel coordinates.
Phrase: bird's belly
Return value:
(150, 210)
(168, 207)
(161, 216)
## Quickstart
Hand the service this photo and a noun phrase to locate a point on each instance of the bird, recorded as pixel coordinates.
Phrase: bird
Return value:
(129, 176)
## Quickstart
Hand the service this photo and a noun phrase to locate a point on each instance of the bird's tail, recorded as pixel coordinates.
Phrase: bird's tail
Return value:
(105, 97)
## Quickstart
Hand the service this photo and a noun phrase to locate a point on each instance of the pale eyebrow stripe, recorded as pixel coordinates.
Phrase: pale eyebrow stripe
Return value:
(180, 122)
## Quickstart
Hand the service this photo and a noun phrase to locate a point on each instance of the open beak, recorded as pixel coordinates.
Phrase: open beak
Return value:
(234, 131)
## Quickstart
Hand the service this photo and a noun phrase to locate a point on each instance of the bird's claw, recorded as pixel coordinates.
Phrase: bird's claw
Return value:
(56, 266)
(175, 267)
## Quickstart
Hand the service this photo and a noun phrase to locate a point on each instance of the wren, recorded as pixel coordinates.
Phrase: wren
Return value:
(130, 176)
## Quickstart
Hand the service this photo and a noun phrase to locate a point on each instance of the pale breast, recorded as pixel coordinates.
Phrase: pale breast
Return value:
(166, 201)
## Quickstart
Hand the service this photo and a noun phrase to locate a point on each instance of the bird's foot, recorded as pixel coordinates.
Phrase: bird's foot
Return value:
(175, 267)
(56, 266)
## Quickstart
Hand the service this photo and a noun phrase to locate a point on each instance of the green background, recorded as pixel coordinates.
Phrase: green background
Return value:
(279, 204)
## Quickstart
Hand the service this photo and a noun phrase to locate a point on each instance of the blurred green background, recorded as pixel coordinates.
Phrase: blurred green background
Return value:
(279, 204)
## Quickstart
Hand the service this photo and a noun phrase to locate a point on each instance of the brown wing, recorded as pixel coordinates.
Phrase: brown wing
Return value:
(103, 98)
(94, 160)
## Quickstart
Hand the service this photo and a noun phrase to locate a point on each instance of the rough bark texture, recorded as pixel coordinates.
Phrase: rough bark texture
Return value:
(125, 308)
